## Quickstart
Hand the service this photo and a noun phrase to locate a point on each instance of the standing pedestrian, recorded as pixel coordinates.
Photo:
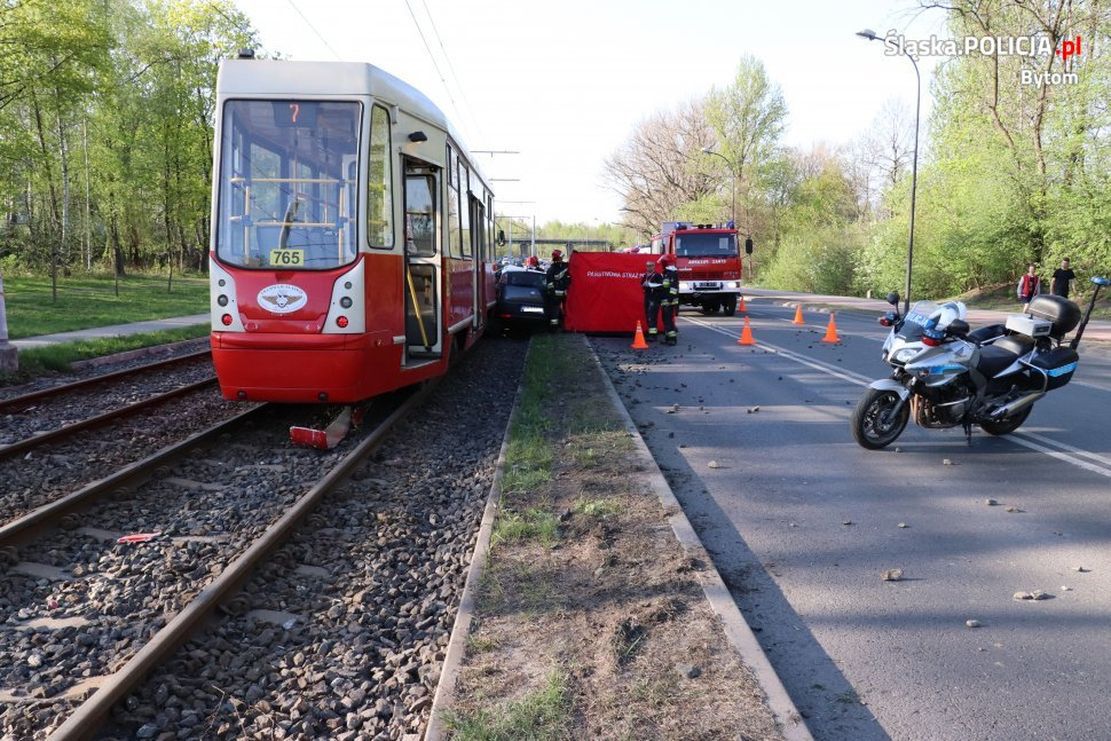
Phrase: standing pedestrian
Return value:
(671, 298)
(556, 283)
(1062, 276)
(653, 285)
(1029, 285)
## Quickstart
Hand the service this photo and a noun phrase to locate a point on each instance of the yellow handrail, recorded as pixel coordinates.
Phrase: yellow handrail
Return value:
(416, 307)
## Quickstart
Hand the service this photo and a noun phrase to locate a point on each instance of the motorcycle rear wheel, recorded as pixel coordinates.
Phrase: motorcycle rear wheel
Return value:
(869, 430)
(1007, 425)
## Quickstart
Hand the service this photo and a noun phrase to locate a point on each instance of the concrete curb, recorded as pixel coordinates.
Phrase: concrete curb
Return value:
(141, 352)
(737, 630)
(456, 647)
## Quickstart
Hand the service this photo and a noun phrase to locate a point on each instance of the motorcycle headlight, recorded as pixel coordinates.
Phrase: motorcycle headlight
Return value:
(905, 354)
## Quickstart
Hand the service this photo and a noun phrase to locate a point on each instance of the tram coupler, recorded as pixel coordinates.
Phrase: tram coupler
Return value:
(330, 436)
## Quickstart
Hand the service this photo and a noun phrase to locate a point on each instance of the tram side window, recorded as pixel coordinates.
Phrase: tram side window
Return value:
(465, 211)
(455, 248)
(379, 210)
(420, 212)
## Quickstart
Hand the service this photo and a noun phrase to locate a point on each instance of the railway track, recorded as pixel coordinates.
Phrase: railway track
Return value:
(22, 401)
(66, 436)
(163, 487)
(146, 599)
(50, 415)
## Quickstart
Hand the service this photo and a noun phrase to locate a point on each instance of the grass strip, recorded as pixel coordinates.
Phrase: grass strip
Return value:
(531, 451)
(57, 358)
(90, 301)
(543, 714)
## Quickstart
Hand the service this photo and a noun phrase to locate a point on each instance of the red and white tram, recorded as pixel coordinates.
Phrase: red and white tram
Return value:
(351, 248)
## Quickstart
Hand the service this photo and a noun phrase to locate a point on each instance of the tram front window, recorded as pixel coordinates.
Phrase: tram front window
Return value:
(288, 184)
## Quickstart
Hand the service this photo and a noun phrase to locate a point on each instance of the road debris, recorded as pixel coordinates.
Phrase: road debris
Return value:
(946, 462)
(1081, 569)
(715, 464)
(973, 623)
(903, 525)
(991, 502)
(893, 575)
(1037, 594)
(1012, 508)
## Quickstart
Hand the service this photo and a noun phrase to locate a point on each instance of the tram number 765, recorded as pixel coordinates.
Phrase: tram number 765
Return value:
(287, 257)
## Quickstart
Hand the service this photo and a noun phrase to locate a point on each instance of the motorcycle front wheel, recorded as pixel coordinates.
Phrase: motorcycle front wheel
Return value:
(871, 426)
(1007, 425)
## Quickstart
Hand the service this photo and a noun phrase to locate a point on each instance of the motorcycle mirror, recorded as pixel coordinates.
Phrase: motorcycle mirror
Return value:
(893, 298)
(958, 328)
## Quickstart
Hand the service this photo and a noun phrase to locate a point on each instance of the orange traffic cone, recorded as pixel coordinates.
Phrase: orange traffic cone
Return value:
(746, 335)
(798, 316)
(741, 306)
(638, 340)
(831, 331)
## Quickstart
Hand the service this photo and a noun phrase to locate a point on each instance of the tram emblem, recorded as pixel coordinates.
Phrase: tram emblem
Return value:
(282, 298)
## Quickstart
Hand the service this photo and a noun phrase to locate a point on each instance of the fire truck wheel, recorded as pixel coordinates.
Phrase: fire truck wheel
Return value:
(730, 306)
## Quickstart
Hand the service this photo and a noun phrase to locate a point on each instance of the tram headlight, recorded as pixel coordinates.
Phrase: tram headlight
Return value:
(345, 302)
(222, 300)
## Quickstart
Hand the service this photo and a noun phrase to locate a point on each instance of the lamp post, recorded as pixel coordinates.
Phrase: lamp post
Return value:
(733, 178)
(871, 36)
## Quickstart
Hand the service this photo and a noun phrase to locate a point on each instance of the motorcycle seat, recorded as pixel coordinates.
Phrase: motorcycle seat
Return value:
(1016, 343)
(994, 359)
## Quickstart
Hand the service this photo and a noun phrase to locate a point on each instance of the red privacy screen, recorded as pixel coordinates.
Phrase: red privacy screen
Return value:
(605, 293)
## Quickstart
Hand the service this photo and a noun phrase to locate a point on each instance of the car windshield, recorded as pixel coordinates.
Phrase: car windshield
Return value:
(529, 278)
(706, 245)
(287, 184)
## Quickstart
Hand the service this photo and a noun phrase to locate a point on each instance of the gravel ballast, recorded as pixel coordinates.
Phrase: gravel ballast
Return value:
(349, 620)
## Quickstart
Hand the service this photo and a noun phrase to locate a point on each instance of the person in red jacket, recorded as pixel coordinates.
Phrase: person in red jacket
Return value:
(1029, 285)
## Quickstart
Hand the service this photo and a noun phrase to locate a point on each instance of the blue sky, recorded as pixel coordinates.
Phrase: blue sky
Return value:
(565, 82)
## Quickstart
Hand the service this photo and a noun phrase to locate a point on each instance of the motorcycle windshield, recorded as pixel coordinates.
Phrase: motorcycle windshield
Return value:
(915, 321)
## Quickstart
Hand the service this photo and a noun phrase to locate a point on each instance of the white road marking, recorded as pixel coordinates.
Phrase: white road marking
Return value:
(1065, 452)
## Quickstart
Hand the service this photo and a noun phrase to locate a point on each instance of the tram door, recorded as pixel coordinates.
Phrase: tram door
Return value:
(422, 263)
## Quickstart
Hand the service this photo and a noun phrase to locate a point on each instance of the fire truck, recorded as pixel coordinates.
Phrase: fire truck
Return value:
(709, 263)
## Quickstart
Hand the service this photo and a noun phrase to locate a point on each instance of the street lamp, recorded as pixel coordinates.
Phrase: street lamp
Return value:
(733, 177)
(871, 36)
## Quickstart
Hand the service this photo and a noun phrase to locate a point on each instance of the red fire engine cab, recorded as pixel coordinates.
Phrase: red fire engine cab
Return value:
(709, 263)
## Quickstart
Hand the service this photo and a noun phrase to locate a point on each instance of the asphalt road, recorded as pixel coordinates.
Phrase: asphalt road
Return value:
(861, 657)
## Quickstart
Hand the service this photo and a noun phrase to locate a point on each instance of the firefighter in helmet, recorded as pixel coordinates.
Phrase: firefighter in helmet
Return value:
(556, 284)
(654, 292)
(532, 263)
(670, 300)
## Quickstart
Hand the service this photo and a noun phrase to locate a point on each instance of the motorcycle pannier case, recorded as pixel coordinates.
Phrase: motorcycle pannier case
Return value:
(1058, 366)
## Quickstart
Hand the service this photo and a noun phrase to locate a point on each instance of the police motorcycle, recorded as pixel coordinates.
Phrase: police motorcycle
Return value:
(946, 375)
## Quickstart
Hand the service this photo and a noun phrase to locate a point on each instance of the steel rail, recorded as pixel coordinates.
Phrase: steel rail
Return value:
(84, 721)
(18, 402)
(66, 430)
(24, 527)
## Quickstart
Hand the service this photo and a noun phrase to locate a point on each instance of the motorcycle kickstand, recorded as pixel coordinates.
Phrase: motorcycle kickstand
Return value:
(968, 433)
